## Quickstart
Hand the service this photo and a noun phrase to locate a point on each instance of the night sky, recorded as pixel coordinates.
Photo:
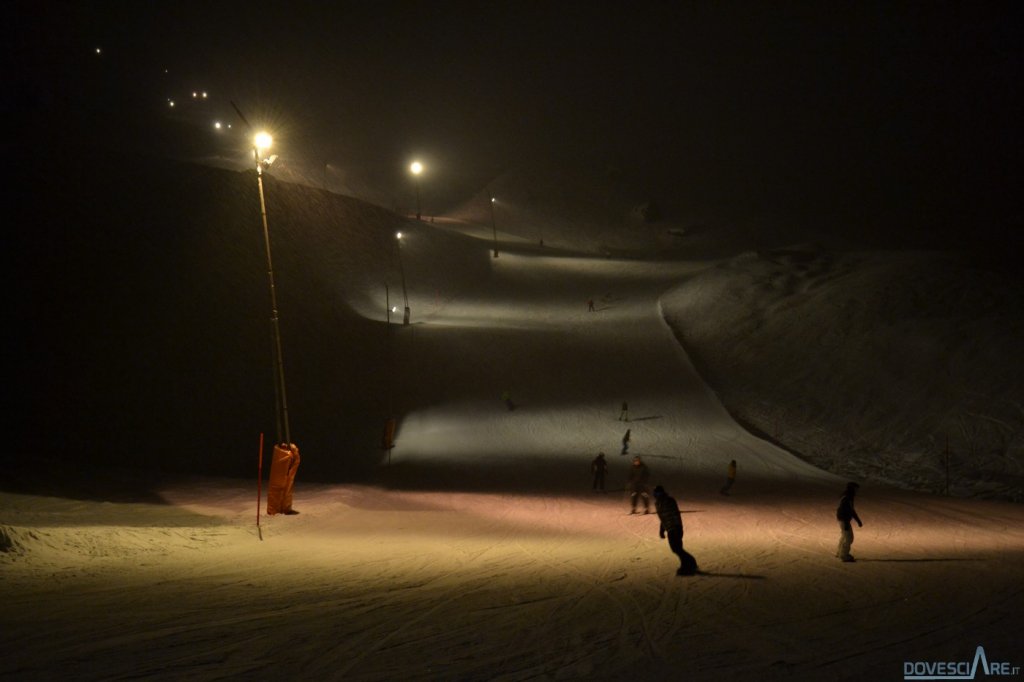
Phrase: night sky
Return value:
(890, 112)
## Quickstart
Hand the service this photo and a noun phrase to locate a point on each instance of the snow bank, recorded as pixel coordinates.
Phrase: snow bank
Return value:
(869, 364)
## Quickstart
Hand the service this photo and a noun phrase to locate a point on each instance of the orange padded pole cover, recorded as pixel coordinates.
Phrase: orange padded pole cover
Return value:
(283, 465)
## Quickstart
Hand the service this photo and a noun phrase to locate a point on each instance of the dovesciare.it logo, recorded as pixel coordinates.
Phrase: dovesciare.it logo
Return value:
(958, 670)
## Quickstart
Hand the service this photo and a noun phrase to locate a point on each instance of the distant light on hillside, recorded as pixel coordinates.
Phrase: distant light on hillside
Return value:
(217, 125)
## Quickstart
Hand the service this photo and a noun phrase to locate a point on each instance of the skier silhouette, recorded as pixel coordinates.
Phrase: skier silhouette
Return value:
(730, 478)
(599, 467)
(845, 513)
(637, 485)
(672, 526)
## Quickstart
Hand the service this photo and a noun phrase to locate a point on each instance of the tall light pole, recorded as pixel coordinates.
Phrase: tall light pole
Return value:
(285, 457)
(416, 168)
(390, 423)
(401, 269)
(261, 143)
(494, 227)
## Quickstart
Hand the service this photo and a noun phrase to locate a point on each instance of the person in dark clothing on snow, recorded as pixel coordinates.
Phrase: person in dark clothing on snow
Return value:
(845, 513)
(672, 528)
(637, 486)
(599, 467)
(730, 478)
(625, 442)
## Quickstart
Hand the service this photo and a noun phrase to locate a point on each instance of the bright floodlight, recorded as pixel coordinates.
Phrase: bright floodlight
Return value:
(263, 140)
(398, 235)
(416, 167)
(217, 125)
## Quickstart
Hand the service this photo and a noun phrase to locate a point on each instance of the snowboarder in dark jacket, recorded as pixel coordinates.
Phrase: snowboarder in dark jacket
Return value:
(625, 442)
(845, 513)
(637, 486)
(672, 528)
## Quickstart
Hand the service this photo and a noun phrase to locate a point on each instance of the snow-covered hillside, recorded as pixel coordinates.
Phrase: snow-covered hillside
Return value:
(872, 365)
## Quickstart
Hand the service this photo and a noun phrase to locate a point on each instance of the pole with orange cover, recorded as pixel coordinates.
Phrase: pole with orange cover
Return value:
(283, 465)
(285, 460)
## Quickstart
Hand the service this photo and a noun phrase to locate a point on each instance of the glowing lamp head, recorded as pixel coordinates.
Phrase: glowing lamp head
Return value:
(263, 140)
(398, 235)
(416, 168)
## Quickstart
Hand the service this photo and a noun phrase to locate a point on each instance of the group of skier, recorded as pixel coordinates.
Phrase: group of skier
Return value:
(639, 475)
(671, 526)
(671, 521)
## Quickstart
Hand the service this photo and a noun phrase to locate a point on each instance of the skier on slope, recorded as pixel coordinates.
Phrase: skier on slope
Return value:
(637, 486)
(672, 527)
(599, 467)
(730, 478)
(845, 513)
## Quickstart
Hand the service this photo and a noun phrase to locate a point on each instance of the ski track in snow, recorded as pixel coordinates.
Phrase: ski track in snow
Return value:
(523, 579)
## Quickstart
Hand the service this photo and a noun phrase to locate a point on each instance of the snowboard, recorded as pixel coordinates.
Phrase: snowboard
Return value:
(689, 564)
